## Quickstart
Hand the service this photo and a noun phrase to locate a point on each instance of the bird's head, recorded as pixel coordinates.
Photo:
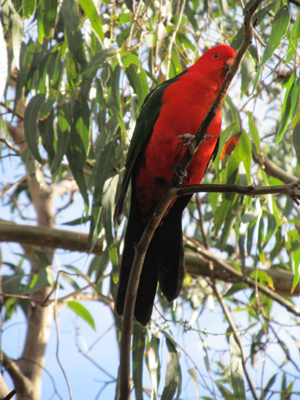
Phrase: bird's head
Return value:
(216, 62)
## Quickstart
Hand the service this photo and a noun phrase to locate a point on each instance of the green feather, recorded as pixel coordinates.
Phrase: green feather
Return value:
(144, 126)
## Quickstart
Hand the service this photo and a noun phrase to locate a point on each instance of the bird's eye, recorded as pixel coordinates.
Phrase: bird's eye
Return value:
(216, 55)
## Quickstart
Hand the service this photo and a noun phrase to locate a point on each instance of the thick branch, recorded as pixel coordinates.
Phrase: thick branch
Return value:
(22, 384)
(142, 246)
(48, 237)
(251, 282)
(75, 241)
(273, 170)
(198, 265)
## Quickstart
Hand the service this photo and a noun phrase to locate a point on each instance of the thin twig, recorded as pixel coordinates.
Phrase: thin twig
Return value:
(57, 348)
(12, 187)
(264, 289)
(291, 190)
(237, 338)
(172, 39)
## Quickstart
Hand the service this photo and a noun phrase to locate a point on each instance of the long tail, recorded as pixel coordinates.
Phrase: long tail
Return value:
(171, 255)
(164, 260)
(148, 279)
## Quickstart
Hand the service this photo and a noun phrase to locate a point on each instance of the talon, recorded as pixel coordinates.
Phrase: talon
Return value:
(182, 175)
(187, 139)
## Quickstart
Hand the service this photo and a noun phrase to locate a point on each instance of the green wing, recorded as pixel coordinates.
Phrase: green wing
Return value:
(144, 126)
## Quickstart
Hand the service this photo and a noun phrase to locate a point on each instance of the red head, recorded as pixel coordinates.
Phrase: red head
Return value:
(215, 62)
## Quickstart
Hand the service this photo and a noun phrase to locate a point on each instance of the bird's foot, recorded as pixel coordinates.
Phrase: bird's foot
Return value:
(182, 175)
(187, 139)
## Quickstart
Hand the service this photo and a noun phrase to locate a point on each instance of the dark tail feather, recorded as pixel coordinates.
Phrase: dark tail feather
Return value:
(171, 255)
(148, 284)
(148, 279)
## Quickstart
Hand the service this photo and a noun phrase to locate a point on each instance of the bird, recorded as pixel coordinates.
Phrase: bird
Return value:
(169, 117)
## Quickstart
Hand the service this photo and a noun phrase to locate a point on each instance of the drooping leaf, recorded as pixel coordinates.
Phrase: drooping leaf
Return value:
(28, 8)
(91, 12)
(193, 374)
(30, 124)
(173, 373)
(296, 140)
(293, 40)
(70, 16)
(138, 347)
(138, 80)
(62, 131)
(82, 312)
(279, 27)
(237, 374)
(49, 16)
(290, 103)
(153, 365)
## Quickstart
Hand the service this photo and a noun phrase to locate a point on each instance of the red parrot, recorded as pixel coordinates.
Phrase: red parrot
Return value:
(171, 113)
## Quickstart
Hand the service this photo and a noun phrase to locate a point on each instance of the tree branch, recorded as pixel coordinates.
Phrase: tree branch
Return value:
(49, 237)
(290, 190)
(237, 338)
(251, 282)
(22, 384)
(273, 170)
(142, 246)
(198, 265)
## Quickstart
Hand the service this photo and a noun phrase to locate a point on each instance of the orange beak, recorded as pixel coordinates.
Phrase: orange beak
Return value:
(229, 62)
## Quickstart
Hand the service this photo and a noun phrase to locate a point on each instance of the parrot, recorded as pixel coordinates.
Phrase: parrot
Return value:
(169, 117)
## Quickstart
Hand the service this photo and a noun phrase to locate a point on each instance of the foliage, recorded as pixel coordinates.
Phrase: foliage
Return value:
(83, 70)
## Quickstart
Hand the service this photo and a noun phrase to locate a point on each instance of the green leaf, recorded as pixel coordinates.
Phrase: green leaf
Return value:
(279, 27)
(22, 74)
(40, 23)
(296, 265)
(296, 140)
(82, 312)
(104, 170)
(46, 130)
(28, 8)
(30, 124)
(270, 384)
(247, 72)
(69, 11)
(78, 143)
(290, 103)
(237, 374)
(254, 132)
(38, 281)
(235, 287)
(193, 374)
(62, 131)
(128, 59)
(91, 12)
(293, 40)
(153, 365)
(92, 67)
(138, 347)
(173, 373)
(17, 35)
(138, 80)
(108, 200)
(49, 16)
(124, 18)
(227, 395)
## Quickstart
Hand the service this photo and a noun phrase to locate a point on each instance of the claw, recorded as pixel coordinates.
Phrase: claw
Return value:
(187, 139)
(182, 175)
